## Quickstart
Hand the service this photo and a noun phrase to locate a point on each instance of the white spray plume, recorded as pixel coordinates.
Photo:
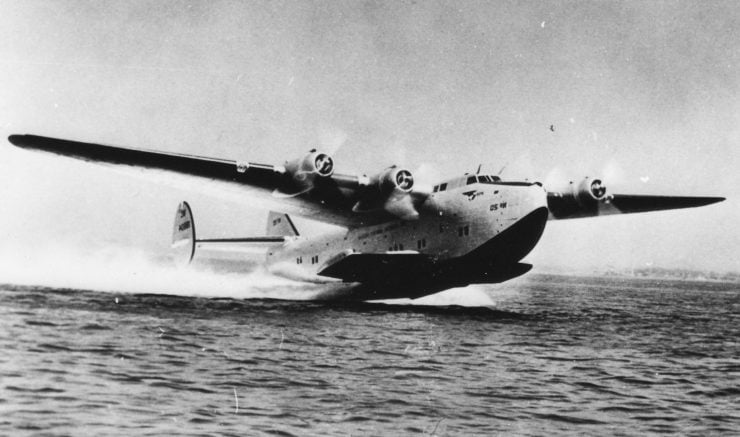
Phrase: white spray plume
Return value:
(127, 270)
(130, 271)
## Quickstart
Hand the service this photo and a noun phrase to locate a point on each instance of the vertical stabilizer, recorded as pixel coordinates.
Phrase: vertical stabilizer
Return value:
(280, 224)
(183, 233)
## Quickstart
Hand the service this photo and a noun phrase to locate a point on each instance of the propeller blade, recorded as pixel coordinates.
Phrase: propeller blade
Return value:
(401, 205)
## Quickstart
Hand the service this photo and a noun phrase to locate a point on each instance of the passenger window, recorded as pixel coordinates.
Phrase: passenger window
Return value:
(443, 187)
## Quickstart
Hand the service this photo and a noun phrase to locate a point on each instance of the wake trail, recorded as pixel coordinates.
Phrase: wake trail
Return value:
(126, 270)
(130, 271)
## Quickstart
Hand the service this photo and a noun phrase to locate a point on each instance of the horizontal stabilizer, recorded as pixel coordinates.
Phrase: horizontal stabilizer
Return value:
(184, 240)
(265, 240)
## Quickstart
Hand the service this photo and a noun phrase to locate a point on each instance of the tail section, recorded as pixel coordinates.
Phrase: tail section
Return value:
(279, 224)
(184, 240)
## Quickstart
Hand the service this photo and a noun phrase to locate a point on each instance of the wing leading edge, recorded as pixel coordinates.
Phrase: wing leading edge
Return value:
(332, 203)
(337, 199)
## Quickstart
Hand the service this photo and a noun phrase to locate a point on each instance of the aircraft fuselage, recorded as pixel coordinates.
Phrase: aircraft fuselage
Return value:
(456, 221)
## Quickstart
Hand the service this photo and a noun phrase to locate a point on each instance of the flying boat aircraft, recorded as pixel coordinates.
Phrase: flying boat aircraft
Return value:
(394, 238)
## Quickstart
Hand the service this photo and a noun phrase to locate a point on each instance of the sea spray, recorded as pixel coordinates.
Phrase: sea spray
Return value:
(129, 270)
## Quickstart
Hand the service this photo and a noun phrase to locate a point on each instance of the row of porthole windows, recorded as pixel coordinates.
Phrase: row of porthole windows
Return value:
(420, 244)
(461, 230)
(314, 260)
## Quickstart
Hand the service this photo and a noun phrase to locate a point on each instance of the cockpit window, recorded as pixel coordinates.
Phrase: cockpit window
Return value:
(471, 180)
(488, 179)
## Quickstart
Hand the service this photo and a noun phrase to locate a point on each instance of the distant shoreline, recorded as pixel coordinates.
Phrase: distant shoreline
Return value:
(650, 273)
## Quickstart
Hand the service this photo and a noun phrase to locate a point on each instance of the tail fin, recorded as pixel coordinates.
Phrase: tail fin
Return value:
(281, 225)
(183, 233)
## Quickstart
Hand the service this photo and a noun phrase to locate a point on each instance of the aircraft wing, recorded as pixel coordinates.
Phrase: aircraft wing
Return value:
(590, 199)
(306, 186)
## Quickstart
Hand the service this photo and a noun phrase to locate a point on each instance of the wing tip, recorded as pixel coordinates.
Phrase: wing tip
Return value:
(711, 200)
(16, 140)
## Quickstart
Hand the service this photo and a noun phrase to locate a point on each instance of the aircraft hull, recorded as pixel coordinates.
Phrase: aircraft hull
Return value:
(495, 261)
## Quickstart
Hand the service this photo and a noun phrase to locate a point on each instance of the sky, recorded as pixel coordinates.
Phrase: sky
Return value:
(644, 94)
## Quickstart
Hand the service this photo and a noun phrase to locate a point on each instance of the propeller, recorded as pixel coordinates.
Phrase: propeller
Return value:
(331, 139)
(404, 180)
(556, 180)
(401, 205)
(612, 174)
(304, 172)
(426, 174)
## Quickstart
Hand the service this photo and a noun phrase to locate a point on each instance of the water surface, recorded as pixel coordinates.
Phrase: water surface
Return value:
(558, 355)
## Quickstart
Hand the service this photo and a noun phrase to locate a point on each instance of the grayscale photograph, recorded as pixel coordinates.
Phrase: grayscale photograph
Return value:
(369, 218)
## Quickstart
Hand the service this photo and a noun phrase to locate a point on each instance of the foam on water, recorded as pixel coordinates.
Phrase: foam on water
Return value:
(130, 271)
(471, 296)
(126, 270)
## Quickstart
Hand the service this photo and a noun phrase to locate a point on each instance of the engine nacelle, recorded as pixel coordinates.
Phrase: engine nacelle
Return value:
(577, 195)
(389, 190)
(305, 170)
(577, 199)
(393, 179)
(589, 191)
